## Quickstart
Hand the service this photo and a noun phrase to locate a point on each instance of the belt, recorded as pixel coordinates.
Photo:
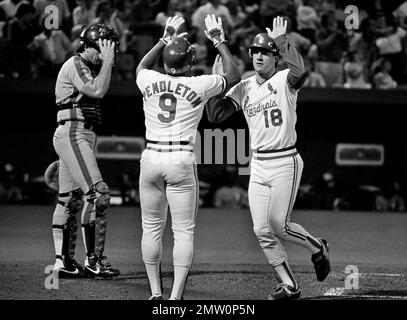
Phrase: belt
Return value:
(169, 146)
(274, 154)
(86, 125)
(275, 150)
(169, 143)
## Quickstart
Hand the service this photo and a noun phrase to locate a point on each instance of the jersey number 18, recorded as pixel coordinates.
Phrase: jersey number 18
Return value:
(275, 117)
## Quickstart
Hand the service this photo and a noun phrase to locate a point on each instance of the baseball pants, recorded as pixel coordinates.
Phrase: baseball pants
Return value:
(272, 191)
(166, 183)
(78, 168)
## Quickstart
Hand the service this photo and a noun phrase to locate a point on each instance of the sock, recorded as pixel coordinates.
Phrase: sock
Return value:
(154, 278)
(316, 243)
(59, 220)
(284, 274)
(57, 233)
(180, 279)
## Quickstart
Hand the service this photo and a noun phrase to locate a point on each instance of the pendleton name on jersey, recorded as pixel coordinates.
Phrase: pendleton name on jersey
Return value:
(269, 109)
(173, 105)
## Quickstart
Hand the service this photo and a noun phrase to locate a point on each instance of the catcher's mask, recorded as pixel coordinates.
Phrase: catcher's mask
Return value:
(177, 54)
(91, 34)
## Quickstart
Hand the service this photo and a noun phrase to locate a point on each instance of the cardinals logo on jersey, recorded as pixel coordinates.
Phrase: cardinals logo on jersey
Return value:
(270, 87)
(246, 102)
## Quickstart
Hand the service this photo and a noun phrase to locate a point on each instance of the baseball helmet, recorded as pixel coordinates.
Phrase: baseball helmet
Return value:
(91, 34)
(178, 53)
(263, 41)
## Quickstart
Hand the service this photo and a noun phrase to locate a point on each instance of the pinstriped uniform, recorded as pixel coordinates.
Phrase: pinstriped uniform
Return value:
(173, 107)
(276, 166)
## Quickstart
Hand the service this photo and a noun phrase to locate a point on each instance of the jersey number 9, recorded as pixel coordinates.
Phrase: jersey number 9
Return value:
(167, 103)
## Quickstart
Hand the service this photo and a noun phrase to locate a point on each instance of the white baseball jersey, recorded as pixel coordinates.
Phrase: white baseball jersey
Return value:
(270, 112)
(173, 105)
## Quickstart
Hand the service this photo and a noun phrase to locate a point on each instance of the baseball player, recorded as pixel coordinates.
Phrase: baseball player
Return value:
(173, 106)
(268, 100)
(82, 82)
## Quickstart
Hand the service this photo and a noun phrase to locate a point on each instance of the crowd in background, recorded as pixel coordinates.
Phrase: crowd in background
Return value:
(372, 56)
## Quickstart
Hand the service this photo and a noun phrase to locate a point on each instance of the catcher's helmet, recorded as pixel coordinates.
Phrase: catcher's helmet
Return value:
(91, 34)
(178, 53)
(263, 41)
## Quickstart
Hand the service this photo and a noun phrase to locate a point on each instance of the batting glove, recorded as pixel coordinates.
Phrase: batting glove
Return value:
(214, 30)
(171, 27)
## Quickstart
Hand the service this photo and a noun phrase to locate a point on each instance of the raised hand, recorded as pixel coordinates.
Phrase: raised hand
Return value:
(171, 28)
(279, 27)
(107, 50)
(217, 67)
(214, 30)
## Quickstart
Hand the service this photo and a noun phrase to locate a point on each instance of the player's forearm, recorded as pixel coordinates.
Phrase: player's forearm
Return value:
(219, 109)
(230, 69)
(151, 57)
(98, 87)
(294, 61)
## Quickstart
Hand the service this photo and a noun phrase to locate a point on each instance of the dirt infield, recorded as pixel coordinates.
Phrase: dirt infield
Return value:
(228, 264)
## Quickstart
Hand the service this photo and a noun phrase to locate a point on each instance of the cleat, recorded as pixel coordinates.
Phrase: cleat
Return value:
(156, 297)
(108, 266)
(67, 270)
(285, 292)
(72, 263)
(321, 261)
(93, 268)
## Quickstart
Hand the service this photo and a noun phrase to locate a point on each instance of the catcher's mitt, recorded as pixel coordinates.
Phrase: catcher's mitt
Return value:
(51, 176)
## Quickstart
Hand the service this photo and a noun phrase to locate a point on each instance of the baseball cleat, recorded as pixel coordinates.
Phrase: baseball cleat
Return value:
(95, 268)
(321, 261)
(103, 261)
(156, 297)
(68, 269)
(285, 292)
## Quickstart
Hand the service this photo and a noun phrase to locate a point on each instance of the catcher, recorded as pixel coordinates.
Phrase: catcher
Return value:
(81, 84)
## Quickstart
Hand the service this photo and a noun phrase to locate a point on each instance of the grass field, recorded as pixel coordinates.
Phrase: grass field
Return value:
(228, 263)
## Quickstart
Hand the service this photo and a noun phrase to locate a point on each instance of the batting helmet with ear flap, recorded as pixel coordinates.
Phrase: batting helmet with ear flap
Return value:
(91, 34)
(178, 53)
(263, 41)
